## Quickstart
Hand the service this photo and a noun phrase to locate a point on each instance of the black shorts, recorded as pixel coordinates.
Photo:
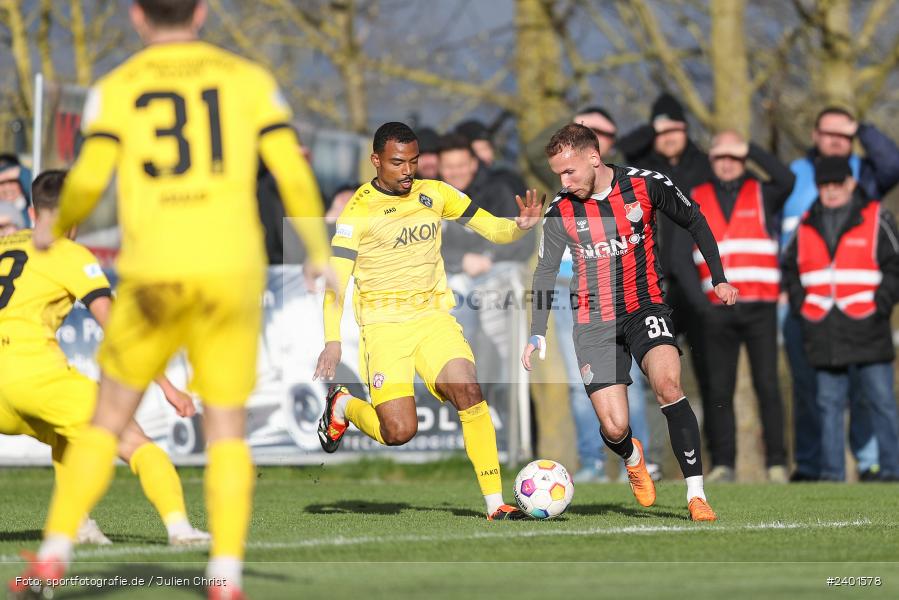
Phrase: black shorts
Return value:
(604, 348)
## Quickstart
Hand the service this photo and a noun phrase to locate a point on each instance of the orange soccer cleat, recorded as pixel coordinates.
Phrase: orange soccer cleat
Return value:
(641, 482)
(506, 513)
(225, 592)
(37, 579)
(700, 510)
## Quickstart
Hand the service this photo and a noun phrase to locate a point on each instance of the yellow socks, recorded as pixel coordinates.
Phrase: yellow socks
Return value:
(86, 473)
(160, 482)
(480, 444)
(229, 496)
(363, 415)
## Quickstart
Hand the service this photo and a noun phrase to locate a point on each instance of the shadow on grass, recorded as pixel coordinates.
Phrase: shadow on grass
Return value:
(366, 507)
(26, 535)
(639, 513)
(130, 538)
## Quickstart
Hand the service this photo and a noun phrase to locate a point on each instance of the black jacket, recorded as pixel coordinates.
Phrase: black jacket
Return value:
(837, 340)
(494, 191)
(692, 169)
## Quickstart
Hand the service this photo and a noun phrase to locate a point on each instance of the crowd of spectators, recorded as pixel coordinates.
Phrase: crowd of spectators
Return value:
(813, 252)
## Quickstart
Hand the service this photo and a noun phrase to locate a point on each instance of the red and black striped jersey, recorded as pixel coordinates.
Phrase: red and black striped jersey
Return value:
(612, 240)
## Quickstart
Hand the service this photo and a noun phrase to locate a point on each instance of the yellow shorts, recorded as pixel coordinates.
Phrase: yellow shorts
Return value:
(217, 319)
(58, 403)
(391, 354)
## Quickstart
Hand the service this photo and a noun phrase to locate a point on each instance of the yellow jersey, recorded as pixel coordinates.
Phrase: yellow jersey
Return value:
(390, 244)
(182, 124)
(37, 291)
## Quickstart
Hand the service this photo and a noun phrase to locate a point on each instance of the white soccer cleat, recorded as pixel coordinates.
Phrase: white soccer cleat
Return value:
(189, 537)
(89, 533)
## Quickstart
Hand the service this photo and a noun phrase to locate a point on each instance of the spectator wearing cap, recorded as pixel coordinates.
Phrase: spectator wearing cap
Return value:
(428, 150)
(742, 212)
(875, 174)
(841, 273)
(664, 145)
(15, 184)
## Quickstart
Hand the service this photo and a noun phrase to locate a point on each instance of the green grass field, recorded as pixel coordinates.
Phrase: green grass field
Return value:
(378, 530)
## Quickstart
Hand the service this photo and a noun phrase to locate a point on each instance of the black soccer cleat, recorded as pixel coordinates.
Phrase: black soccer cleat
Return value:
(331, 432)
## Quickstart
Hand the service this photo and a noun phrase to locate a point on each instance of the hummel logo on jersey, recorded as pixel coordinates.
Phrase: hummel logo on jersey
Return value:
(425, 200)
(689, 455)
(416, 233)
(615, 247)
(648, 173)
(582, 225)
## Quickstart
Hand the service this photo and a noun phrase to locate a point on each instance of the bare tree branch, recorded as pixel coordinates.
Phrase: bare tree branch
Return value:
(663, 52)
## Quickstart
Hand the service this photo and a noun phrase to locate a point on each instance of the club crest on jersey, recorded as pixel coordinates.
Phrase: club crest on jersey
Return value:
(587, 374)
(633, 212)
(377, 380)
(582, 224)
(425, 200)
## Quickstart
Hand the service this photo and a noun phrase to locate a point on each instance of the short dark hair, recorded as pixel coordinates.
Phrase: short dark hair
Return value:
(574, 136)
(455, 141)
(169, 13)
(394, 130)
(473, 130)
(598, 110)
(832, 110)
(45, 189)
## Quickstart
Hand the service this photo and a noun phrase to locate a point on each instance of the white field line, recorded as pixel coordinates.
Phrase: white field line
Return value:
(505, 533)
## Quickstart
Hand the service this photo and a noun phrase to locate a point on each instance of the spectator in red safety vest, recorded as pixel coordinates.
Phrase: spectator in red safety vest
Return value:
(841, 271)
(741, 210)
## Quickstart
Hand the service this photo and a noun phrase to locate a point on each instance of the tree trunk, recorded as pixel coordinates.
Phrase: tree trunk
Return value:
(730, 66)
(538, 69)
(20, 52)
(347, 61)
(43, 41)
(83, 67)
(836, 81)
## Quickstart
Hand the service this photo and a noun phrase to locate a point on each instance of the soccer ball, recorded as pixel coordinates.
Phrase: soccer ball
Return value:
(544, 489)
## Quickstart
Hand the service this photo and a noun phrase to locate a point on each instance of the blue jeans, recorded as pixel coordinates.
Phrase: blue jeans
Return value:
(806, 416)
(876, 381)
(589, 443)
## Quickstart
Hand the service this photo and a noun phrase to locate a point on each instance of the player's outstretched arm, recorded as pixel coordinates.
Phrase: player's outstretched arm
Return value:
(181, 401)
(300, 194)
(332, 311)
(460, 208)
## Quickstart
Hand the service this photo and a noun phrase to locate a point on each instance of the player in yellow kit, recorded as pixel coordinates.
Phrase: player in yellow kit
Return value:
(183, 124)
(388, 238)
(41, 396)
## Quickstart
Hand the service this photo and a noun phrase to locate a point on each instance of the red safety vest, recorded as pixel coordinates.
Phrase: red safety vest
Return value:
(848, 280)
(748, 251)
